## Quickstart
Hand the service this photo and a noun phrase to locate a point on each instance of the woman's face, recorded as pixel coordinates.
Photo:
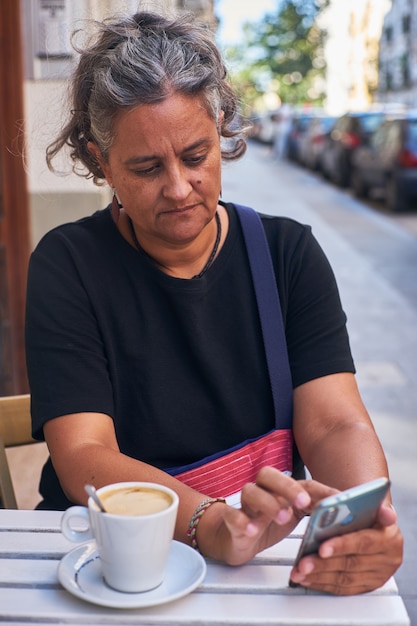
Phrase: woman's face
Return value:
(165, 164)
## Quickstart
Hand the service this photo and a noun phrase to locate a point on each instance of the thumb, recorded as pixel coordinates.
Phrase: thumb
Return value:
(386, 515)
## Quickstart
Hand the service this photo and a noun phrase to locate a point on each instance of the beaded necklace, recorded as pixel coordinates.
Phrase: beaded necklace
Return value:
(213, 252)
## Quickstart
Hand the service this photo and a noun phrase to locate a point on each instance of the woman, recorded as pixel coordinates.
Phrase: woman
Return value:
(144, 346)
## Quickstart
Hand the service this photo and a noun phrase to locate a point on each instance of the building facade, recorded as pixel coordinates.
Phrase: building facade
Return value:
(48, 61)
(398, 54)
(353, 34)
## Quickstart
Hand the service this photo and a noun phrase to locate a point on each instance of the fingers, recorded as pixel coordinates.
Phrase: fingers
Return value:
(270, 509)
(279, 498)
(259, 502)
(317, 491)
(354, 563)
(284, 488)
(273, 488)
(347, 576)
(242, 537)
(371, 541)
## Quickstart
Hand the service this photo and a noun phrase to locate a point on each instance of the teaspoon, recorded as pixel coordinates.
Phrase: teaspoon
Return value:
(93, 494)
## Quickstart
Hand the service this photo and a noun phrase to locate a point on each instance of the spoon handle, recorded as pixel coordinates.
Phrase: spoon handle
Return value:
(93, 494)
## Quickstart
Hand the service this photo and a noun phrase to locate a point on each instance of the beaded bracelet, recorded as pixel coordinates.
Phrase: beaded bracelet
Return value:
(198, 514)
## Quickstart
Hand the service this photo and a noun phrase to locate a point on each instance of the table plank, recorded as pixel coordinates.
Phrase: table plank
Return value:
(261, 578)
(220, 578)
(210, 609)
(31, 544)
(28, 573)
(39, 521)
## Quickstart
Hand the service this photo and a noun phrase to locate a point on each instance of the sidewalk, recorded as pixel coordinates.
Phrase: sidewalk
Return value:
(375, 262)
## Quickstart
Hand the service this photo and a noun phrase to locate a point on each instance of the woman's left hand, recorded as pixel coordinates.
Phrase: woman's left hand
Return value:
(357, 562)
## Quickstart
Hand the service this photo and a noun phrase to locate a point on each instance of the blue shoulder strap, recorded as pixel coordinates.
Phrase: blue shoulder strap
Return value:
(270, 314)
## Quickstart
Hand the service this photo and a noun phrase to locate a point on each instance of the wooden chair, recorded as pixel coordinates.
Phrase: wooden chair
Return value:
(15, 430)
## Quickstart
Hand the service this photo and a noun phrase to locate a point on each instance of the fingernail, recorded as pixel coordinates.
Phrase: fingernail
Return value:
(308, 568)
(326, 552)
(297, 577)
(251, 530)
(283, 516)
(302, 500)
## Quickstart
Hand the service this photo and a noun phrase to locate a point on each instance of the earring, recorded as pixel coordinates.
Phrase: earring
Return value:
(115, 207)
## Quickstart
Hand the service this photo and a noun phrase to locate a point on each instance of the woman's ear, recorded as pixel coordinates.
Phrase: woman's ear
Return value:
(95, 151)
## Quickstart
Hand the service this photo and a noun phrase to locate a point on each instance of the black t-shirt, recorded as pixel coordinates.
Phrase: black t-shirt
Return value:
(178, 364)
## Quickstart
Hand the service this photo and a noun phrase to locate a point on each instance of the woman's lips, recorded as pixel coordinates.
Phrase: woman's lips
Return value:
(180, 210)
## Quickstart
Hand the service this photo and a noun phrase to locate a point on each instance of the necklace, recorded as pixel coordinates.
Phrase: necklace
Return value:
(212, 254)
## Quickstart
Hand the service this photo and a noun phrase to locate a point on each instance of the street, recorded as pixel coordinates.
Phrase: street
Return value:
(374, 257)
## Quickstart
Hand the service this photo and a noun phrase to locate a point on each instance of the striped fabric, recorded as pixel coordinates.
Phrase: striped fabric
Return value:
(227, 474)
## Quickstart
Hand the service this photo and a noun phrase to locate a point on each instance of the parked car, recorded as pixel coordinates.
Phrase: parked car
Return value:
(255, 129)
(263, 127)
(389, 162)
(313, 140)
(350, 131)
(299, 124)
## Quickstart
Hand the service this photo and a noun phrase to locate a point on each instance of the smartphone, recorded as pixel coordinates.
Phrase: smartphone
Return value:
(345, 512)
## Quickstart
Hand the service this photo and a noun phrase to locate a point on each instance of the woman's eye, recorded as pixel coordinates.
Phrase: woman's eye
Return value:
(147, 171)
(194, 160)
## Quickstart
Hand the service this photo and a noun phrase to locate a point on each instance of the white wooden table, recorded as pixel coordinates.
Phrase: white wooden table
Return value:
(31, 546)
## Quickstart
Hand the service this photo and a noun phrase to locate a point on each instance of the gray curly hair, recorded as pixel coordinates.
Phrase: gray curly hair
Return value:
(142, 59)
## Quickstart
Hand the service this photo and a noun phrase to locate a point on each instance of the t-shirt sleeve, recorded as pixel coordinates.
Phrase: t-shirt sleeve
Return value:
(315, 323)
(66, 361)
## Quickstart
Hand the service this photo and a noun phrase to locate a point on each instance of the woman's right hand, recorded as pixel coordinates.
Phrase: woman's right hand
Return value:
(270, 509)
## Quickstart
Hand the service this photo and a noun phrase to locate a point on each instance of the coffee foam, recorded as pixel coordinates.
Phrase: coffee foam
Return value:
(135, 501)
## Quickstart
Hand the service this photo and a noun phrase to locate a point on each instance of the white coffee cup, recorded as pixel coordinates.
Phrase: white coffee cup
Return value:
(134, 541)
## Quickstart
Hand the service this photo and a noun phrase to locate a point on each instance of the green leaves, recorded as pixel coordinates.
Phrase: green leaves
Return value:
(283, 53)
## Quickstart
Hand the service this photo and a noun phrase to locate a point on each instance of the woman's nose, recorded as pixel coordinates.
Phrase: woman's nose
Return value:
(177, 185)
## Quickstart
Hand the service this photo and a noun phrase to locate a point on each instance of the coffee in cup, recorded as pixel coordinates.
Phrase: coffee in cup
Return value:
(135, 500)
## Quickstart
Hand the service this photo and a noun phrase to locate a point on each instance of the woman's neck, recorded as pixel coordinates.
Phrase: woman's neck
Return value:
(192, 260)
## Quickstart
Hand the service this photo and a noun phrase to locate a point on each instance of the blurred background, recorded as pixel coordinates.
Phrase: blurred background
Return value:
(330, 87)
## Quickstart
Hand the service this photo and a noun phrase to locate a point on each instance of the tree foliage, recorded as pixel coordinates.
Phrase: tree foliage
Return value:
(283, 53)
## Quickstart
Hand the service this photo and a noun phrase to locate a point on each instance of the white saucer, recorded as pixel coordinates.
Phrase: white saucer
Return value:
(80, 573)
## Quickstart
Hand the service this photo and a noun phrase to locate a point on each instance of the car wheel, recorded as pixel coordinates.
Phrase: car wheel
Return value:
(341, 174)
(324, 170)
(360, 188)
(314, 163)
(395, 199)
